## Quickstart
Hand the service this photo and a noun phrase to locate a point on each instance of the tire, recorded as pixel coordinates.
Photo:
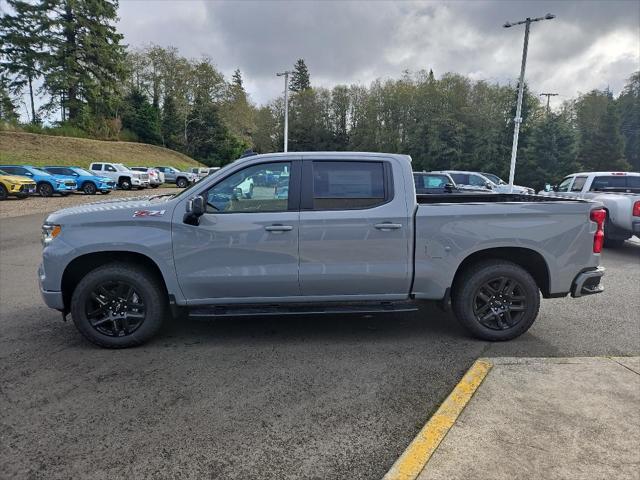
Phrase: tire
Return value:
(182, 182)
(44, 189)
(125, 184)
(501, 320)
(89, 188)
(3, 192)
(147, 291)
(608, 241)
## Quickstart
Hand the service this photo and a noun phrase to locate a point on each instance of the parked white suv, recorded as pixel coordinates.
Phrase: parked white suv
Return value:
(124, 177)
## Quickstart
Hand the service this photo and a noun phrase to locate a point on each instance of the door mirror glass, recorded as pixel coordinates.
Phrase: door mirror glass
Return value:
(196, 206)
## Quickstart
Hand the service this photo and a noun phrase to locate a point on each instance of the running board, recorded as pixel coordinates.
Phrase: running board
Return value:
(300, 309)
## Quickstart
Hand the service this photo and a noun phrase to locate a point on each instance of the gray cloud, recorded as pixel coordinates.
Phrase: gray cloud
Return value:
(591, 44)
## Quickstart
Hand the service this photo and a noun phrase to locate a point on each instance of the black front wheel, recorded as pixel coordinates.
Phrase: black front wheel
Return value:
(3, 192)
(125, 184)
(118, 306)
(89, 188)
(182, 183)
(496, 300)
(45, 189)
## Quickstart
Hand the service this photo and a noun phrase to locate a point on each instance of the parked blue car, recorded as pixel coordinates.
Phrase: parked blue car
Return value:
(87, 182)
(46, 184)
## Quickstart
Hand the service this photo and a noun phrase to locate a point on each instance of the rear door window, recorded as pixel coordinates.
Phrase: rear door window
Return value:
(460, 178)
(348, 185)
(578, 184)
(96, 166)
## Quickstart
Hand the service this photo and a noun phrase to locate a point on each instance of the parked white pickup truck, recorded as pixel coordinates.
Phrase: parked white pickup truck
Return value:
(618, 191)
(124, 177)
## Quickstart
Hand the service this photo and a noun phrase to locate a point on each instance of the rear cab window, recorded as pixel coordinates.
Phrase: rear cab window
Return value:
(96, 166)
(347, 185)
(615, 183)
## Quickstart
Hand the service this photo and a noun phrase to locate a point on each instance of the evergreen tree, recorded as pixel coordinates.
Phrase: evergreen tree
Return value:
(551, 153)
(8, 111)
(85, 65)
(171, 127)
(21, 48)
(237, 112)
(141, 118)
(601, 143)
(300, 79)
(629, 107)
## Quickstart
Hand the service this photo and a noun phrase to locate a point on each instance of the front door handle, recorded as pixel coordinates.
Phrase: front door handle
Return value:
(278, 228)
(388, 226)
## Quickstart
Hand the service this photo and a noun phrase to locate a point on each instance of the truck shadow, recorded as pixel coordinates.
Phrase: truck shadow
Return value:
(427, 323)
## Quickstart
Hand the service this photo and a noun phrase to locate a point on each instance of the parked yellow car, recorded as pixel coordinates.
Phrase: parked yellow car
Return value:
(15, 186)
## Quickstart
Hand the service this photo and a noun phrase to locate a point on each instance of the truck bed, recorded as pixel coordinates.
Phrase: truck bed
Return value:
(424, 199)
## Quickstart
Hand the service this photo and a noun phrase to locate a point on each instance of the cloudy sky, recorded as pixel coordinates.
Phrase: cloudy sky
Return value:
(591, 44)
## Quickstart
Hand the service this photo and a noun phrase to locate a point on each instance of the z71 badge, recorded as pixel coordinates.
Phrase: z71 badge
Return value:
(148, 213)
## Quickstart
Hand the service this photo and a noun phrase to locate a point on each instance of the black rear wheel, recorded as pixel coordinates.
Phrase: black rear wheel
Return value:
(182, 183)
(3, 192)
(118, 306)
(496, 300)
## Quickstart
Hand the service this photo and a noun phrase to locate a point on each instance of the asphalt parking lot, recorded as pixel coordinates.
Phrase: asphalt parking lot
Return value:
(266, 398)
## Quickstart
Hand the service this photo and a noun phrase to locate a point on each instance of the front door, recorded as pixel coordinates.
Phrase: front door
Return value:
(246, 244)
(354, 230)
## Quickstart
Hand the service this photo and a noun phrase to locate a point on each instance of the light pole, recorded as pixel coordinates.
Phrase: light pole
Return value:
(518, 119)
(548, 95)
(285, 74)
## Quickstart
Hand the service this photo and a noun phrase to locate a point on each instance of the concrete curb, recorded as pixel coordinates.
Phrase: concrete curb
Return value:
(417, 454)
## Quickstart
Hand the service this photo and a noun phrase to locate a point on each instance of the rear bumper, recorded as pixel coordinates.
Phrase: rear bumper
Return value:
(636, 228)
(588, 283)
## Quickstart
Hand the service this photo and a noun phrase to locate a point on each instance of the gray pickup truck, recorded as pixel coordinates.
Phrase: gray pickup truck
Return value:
(321, 233)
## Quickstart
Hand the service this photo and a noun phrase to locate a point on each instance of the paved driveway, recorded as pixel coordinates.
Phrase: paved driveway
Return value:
(265, 398)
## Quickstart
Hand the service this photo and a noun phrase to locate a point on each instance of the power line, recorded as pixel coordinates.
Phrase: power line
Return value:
(549, 95)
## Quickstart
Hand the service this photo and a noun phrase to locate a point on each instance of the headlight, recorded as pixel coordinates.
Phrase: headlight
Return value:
(60, 182)
(49, 232)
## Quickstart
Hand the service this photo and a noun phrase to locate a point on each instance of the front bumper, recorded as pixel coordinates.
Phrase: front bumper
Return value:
(66, 187)
(51, 299)
(587, 283)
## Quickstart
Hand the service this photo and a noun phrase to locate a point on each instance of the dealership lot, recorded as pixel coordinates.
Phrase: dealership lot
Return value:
(306, 397)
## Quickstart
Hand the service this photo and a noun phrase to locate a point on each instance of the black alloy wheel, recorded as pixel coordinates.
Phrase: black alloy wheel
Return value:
(115, 309)
(89, 188)
(45, 190)
(500, 303)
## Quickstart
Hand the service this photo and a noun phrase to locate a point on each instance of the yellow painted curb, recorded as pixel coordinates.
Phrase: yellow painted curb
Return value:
(415, 457)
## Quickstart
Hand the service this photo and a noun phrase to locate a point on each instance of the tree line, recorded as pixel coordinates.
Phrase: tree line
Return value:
(70, 53)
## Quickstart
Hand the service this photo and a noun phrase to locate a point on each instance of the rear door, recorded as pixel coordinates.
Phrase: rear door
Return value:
(354, 230)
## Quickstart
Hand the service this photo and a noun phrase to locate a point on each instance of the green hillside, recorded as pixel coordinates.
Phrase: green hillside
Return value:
(34, 149)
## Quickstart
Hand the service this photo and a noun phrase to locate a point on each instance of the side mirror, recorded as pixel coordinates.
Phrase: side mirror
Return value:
(195, 208)
(29, 174)
(448, 187)
(554, 188)
(488, 185)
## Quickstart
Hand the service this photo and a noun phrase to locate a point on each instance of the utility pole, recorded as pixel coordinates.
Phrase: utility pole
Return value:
(518, 119)
(548, 95)
(286, 74)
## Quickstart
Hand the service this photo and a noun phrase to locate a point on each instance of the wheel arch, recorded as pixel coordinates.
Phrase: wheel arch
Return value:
(80, 266)
(531, 260)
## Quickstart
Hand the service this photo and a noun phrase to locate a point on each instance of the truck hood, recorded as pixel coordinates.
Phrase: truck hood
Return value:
(113, 210)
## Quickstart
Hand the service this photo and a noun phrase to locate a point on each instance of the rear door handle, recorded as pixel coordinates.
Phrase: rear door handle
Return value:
(388, 226)
(278, 228)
